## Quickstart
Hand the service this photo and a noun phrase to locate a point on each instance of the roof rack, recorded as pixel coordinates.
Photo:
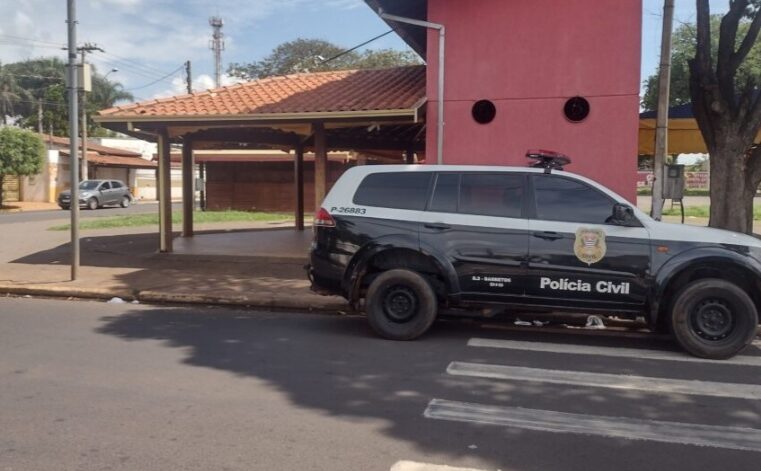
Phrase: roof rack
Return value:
(548, 160)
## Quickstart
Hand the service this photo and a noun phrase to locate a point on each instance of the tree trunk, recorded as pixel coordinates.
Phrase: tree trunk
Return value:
(2, 181)
(733, 187)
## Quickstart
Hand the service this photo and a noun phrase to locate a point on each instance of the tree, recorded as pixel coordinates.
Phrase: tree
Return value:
(43, 84)
(682, 50)
(302, 55)
(726, 103)
(11, 95)
(21, 153)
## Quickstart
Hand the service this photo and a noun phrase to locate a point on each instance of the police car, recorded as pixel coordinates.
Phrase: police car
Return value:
(409, 240)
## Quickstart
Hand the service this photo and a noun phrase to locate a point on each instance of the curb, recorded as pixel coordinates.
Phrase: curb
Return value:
(270, 301)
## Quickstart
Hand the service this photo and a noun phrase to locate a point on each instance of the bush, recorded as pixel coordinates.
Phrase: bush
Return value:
(21, 153)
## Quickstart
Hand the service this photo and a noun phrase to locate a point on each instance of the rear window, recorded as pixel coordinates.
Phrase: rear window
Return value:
(398, 190)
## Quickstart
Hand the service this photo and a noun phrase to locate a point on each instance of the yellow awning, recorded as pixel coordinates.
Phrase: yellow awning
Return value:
(684, 137)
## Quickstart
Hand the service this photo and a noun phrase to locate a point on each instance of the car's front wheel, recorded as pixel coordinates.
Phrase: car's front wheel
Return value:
(125, 202)
(400, 305)
(713, 318)
(92, 204)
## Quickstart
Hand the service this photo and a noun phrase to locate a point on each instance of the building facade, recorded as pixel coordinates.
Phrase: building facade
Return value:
(537, 74)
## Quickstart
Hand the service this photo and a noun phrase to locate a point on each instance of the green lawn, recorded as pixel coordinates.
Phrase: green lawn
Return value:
(152, 219)
(702, 212)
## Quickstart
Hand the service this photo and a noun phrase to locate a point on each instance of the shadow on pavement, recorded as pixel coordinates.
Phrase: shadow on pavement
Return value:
(336, 366)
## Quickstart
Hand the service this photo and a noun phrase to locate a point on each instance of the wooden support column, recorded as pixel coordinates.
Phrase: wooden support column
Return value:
(165, 193)
(298, 173)
(188, 187)
(320, 164)
(202, 176)
(409, 155)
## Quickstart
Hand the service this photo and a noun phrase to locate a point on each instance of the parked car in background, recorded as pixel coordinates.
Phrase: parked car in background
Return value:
(94, 194)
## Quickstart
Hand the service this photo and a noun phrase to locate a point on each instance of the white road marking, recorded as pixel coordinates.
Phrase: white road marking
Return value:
(636, 353)
(735, 438)
(413, 466)
(604, 380)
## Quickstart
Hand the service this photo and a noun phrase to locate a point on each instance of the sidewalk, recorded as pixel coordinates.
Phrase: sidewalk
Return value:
(123, 263)
(21, 206)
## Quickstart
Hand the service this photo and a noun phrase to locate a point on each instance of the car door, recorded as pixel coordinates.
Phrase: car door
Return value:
(578, 259)
(105, 193)
(476, 221)
(118, 190)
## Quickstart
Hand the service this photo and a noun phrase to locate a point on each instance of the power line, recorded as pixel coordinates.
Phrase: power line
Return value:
(21, 38)
(134, 63)
(341, 54)
(157, 80)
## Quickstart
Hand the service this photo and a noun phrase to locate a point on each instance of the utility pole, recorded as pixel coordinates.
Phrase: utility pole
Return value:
(87, 47)
(662, 118)
(188, 77)
(73, 135)
(217, 44)
(39, 117)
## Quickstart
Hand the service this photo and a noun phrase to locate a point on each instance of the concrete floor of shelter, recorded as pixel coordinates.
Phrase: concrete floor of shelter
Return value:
(286, 243)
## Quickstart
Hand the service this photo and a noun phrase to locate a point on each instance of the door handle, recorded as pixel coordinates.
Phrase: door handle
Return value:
(548, 235)
(437, 225)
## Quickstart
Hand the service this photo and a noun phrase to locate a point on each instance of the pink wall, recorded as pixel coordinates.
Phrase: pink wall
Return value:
(529, 57)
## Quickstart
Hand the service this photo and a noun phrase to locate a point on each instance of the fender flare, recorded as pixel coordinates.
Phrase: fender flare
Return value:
(357, 266)
(697, 256)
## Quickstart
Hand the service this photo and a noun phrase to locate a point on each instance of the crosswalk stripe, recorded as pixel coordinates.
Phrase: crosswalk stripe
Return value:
(604, 380)
(640, 354)
(735, 438)
(414, 466)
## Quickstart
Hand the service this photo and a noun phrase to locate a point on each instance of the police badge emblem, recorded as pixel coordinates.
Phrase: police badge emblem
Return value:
(590, 245)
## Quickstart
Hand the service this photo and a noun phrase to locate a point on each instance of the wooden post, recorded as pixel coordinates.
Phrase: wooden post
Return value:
(165, 193)
(409, 155)
(188, 187)
(202, 176)
(320, 164)
(298, 168)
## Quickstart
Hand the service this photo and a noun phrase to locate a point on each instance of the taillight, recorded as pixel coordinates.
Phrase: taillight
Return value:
(324, 219)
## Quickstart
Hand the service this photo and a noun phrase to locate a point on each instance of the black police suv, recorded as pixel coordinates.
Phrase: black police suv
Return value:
(411, 239)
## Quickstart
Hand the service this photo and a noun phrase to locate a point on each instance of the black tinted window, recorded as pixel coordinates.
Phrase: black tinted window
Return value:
(561, 199)
(492, 194)
(105, 186)
(399, 190)
(116, 184)
(445, 192)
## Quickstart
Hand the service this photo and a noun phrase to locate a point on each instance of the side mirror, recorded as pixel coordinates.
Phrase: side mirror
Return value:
(623, 215)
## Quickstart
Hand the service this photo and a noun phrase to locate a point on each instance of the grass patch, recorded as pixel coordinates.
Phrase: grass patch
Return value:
(199, 217)
(702, 212)
(647, 191)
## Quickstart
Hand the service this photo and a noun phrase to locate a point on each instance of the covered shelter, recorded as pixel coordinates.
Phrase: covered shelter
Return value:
(373, 111)
(684, 136)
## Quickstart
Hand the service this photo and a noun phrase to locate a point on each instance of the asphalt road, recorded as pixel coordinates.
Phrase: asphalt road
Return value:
(56, 215)
(86, 385)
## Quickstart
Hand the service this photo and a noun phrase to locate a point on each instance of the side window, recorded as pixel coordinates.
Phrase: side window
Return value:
(492, 194)
(116, 185)
(398, 190)
(562, 199)
(105, 186)
(444, 199)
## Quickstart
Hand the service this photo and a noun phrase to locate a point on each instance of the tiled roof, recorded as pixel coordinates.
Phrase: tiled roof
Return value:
(64, 142)
(399, 88)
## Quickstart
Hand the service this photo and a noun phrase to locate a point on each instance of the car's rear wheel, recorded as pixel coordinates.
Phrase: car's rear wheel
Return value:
(125, 202)
(400, 305)
(92, 204)
(713, 318)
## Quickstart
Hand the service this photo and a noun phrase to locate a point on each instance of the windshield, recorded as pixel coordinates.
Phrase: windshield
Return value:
(89, 185)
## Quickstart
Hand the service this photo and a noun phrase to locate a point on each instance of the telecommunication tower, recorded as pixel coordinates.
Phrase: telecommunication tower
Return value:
(217, 44)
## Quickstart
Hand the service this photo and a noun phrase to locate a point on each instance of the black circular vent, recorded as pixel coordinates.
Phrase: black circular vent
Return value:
(576, 109)
(484, 111)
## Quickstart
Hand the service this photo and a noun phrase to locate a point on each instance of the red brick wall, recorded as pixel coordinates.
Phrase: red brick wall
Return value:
(261, 186)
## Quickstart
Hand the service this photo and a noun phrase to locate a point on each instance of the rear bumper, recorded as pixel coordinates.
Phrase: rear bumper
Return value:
(325, 277)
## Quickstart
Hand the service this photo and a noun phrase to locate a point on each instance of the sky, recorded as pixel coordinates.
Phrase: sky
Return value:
(149, 40)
